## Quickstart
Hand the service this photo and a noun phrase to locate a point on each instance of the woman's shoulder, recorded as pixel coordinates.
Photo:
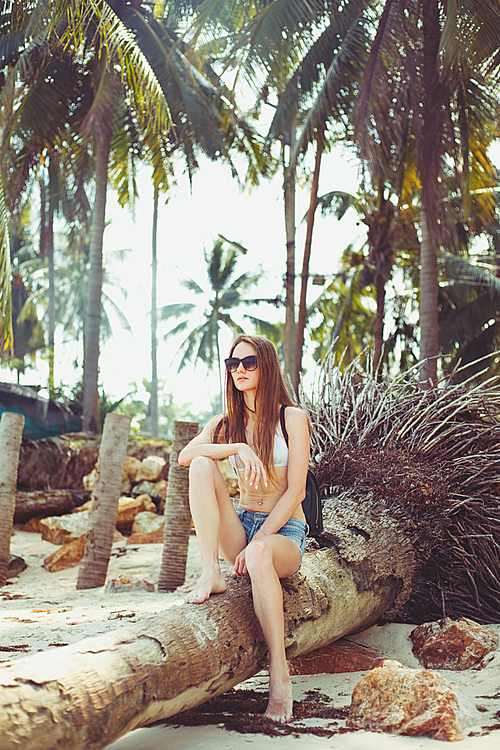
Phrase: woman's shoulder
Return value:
(295, 417)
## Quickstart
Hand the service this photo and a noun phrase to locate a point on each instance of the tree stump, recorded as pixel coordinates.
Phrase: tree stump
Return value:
(11, 431)
(102, 521)
(177, 514)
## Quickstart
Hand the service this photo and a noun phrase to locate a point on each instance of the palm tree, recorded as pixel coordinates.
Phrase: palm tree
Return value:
(226, 294)
(305, 59)
(109, 104)
(429, 70)
(57, 100)
(424, 89)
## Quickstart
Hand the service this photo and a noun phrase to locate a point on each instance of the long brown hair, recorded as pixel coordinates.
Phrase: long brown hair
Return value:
(271, 393)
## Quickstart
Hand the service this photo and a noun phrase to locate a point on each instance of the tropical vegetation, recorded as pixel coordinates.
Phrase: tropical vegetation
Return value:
(93, 91)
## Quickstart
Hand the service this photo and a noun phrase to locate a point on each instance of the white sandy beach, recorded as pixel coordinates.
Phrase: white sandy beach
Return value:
(42, 610)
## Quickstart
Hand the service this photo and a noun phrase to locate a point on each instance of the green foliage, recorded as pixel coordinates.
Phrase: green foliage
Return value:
(346, 318)
(469, 317)
(136, 406)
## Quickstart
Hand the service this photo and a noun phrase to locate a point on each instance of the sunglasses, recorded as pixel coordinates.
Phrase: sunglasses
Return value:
(249, 363)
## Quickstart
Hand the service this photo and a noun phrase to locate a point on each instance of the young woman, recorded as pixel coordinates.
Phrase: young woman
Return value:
(265, 537)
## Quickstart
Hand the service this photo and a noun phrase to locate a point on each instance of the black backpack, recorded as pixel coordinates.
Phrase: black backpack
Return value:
(311, 504)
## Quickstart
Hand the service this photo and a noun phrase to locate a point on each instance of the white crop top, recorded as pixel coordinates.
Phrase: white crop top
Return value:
(280, 453)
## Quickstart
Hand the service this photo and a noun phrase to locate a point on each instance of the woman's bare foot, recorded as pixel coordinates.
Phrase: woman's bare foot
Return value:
(212, 583)
(280, 706)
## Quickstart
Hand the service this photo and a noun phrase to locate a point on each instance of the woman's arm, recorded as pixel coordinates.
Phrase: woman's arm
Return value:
(298, 462)
(203, 445)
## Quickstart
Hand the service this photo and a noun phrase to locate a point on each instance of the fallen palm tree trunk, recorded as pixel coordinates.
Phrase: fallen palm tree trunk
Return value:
(43, 503)
(414, 521)
(87, 695)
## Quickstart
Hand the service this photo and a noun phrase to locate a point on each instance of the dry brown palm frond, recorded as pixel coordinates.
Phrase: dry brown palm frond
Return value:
(432, 458)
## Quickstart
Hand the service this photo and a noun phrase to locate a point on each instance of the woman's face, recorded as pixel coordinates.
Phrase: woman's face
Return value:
(245, 380)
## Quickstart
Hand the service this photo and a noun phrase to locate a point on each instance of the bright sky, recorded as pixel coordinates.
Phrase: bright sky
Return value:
(190, 222)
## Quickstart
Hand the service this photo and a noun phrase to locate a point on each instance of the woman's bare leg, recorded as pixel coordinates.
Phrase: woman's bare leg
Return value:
(214, 519)
(267, 561)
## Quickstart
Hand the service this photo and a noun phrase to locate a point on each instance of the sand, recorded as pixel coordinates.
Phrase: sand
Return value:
(42, 610)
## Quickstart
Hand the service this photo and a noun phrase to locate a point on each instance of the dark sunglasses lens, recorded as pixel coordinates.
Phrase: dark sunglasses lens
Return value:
(250, 363)
(232, 364)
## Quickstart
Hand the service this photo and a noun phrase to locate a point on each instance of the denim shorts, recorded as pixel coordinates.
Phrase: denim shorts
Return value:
(294, 528)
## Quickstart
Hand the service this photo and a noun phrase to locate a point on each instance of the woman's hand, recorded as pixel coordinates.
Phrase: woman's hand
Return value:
(240, 566)
(255, 472)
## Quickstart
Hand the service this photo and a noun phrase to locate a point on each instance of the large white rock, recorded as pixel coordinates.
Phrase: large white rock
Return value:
(150, 468)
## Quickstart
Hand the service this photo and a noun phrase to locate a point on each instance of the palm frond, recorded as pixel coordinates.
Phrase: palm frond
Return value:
(275, 36)
(193, 100)
(192, 285)
(137, 74)
(336, 202)
(175, 310)
(329, 73)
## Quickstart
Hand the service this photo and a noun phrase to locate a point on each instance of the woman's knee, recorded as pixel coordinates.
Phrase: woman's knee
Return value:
(202, 467)
(258, 558)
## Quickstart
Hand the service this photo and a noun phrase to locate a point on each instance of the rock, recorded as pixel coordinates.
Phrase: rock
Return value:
(229, 475)
(452, 644)
(125, 584)
(63, 529)
(130, 468)
(157, 491)
(33, 525)
(16, 566)
(85, 508)
(338, 657)
(126, 486)
(147, 529)
(143, 537)
(89, 480)
(415, 702)
(67, 556)
(146, 522)
(150, 469)
(129, 507)
(160, 490)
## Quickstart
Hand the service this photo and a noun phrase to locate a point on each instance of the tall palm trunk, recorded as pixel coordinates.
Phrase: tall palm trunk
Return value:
(289, 177)
(91, 419)
(378, 330)
(11, 430)
(429, 292)
(302, 318)
(381, 228)
(102, 521)
(429, 165)
(153, 401)
(177, 514)
(53, 199)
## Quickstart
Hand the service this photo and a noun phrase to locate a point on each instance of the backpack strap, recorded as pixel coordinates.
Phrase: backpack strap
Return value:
(282, 423)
